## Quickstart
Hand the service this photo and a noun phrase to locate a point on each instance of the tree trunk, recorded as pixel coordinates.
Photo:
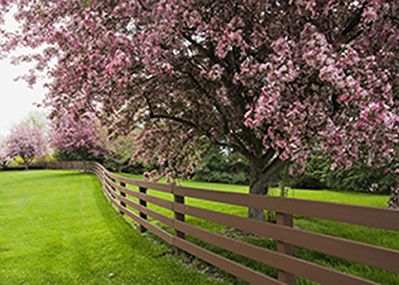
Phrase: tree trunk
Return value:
(262, 174)
(257, 189)
(27, 162)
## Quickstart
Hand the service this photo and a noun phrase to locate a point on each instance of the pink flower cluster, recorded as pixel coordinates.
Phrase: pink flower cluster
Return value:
(27, 141)
(73, 132)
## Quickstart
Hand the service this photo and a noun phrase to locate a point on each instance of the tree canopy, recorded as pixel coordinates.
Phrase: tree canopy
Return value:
(77, 137)
(273, 80)
(27, 141)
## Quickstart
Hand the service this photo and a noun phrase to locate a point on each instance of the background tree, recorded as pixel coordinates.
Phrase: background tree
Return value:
(28, 142)
(321, 173)
(275, 81)
(5, 157)
(77, 137)
(119, 151)
(361, 178)
(223, 165)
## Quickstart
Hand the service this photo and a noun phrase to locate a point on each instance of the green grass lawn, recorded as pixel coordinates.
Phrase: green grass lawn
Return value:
(389, 239)
(56, 227)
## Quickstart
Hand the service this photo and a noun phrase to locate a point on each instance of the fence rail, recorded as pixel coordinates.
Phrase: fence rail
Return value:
(283, 231)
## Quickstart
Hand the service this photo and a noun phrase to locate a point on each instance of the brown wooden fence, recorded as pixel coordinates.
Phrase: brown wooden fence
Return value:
(287, 236)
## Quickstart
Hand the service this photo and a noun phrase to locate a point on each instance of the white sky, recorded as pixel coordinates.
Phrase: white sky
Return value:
(16, 98)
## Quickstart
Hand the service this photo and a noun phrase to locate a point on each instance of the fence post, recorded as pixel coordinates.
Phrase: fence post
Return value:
(144, 204)
(123, 194)
(178, 216)
(284, 219)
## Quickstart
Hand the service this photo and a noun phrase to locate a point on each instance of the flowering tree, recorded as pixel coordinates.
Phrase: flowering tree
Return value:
(273, 80)
(77, 136)
(28, 142)
(5, 157)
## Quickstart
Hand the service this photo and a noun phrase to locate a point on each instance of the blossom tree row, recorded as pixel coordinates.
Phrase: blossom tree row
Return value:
(75, 137)
(80, 135)
(273, 80)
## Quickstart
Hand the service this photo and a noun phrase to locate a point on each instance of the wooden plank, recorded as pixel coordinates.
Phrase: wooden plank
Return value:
(291, 264)
(111, 183)
(352, 250)
(236, 269)
(97, 167)
(150, 227)
(162, 218)
(107, 195)
(146, 197)
(359, 215)
(145, 184)
(110, 191)
(112, 199)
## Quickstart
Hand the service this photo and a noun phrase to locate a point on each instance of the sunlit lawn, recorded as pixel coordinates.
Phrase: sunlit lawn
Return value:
(56, 227)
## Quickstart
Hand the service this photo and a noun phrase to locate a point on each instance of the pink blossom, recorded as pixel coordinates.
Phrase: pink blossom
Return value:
(27, 141)
(73, 133)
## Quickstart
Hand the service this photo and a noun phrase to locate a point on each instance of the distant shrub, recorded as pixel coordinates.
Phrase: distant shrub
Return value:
(220, 165)
(318, 174)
